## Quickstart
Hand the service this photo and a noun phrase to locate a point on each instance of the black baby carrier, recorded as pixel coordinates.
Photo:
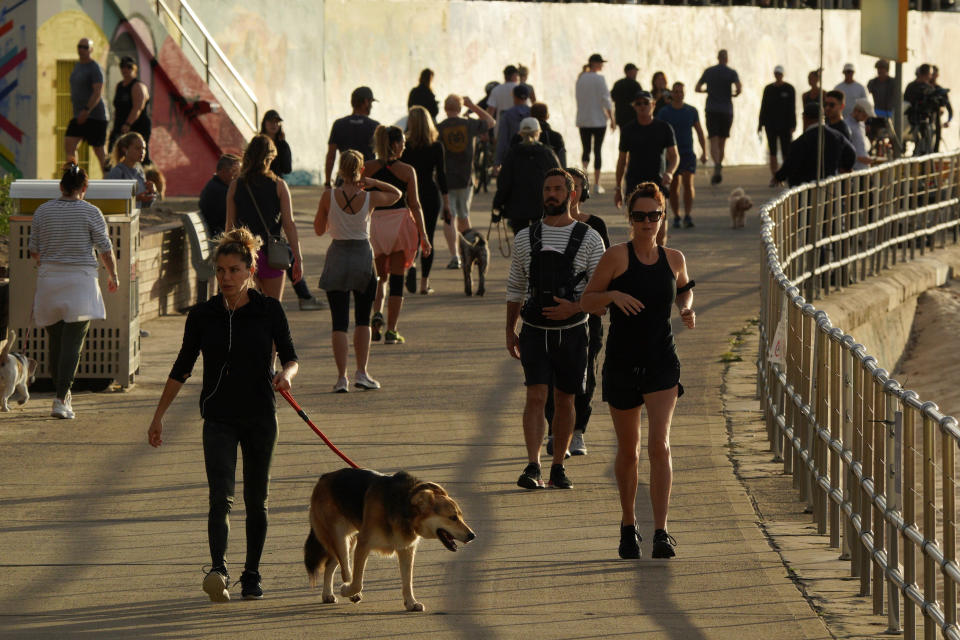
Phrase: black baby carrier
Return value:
(552, 274)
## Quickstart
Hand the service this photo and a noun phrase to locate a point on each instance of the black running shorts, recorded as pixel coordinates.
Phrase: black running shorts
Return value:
(718, 124)
(624, 388)
(559, 355)
(93, 131)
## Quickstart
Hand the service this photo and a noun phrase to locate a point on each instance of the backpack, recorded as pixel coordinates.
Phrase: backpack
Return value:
(552, 274)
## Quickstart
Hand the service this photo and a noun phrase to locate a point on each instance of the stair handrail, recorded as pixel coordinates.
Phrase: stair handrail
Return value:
(211, 44)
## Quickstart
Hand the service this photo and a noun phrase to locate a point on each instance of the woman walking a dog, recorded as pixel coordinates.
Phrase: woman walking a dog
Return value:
(639, 280)
(236, 331)
(63, 235)
(345, 212)
(394, 229)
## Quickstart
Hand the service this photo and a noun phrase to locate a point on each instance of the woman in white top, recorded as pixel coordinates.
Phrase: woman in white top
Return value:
(345, 213)
(63, 236)
(128, 153)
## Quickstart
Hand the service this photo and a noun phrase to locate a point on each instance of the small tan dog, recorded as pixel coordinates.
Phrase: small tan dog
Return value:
(361, 511)
(739, 203)
(16, 373)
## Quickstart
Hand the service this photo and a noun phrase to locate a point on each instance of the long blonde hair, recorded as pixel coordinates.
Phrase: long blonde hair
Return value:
(420, 129)
(255, 157)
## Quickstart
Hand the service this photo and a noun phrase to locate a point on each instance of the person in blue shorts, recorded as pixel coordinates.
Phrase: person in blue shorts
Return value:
(684, 120)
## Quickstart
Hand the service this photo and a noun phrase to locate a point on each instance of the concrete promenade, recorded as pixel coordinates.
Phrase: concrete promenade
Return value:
(103, 536)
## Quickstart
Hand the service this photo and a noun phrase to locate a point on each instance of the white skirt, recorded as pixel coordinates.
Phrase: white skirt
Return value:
(69, 293)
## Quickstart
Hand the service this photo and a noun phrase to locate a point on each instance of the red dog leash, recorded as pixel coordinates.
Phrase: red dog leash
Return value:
(296, 407)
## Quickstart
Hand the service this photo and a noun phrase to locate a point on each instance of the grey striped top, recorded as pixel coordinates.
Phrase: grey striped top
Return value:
(67, 231)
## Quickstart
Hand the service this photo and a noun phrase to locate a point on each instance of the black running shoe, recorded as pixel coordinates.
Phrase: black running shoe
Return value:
(558, 478)
(250, 585)
(716, 178)
(376, 325)
(629, 542)
(688, 223)
(531, 478)
(663, 544)
(411, 280)
(215, 584)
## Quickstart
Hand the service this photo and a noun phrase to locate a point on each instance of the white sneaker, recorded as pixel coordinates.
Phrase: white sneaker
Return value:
(577, 447)
(60, 410)
(599, 188)
(342, 386)
(215, 586)
(363, 381)
(68, 401)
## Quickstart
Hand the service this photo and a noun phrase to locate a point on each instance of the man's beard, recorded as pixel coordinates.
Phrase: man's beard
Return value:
(556, 209)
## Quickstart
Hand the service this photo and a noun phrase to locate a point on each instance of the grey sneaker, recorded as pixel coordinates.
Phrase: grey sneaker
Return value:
(365, 382)
(60, 410)
(342, 386)
(577, 446)
(215, 585)
(312, 304)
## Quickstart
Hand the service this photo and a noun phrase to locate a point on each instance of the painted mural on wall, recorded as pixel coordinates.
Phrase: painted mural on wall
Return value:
(13, 53)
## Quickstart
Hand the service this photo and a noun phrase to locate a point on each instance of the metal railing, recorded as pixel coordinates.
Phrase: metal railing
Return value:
(220, 75)
(854, 440)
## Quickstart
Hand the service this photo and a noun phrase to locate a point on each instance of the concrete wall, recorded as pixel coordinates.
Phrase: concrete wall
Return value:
(305, 59)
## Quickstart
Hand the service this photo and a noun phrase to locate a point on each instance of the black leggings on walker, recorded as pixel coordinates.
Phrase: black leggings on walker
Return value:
(362, 305)
(596, 134)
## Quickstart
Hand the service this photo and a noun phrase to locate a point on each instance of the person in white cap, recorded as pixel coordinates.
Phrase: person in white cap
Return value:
(852, 89)
(778, 115)
(519, 196)
(862, 110)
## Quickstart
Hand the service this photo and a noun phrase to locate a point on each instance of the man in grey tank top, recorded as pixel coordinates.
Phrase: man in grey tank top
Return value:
(89, 120)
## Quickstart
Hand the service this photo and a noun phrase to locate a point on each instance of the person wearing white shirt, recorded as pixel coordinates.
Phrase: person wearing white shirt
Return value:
(862, 109)
(501, 98)
(853, 91)
(594, 110)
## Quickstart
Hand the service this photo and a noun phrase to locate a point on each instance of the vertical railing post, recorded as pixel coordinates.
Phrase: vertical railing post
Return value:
(836, 426)
(909, 509)
(879, 480)
(893, 422)
(849, 480)
(948, 447)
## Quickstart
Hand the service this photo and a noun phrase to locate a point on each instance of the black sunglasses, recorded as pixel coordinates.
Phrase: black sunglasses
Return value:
(83, 46)
(640, 103)
(650, 216)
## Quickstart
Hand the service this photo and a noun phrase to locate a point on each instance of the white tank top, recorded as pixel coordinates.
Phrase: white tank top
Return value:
(350, 226)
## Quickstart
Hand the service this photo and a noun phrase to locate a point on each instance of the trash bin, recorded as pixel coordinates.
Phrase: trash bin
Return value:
(112, 347)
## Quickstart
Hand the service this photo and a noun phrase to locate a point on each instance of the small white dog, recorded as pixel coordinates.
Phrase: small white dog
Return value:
(16, 373)
(739, 203)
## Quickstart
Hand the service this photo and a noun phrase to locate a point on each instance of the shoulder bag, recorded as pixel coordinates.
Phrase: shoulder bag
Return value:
(279, 255)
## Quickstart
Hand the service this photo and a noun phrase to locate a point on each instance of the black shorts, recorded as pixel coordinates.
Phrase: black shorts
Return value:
(559, 355)
(624, 388)
(718, 124)
(93, 131)
(784, 137)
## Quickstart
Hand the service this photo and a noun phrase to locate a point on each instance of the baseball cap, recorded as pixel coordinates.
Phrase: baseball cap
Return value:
(530, 124)
(360, 94)
(272, 115)
(864, 105)
(811, 110)
(629, 67)
(521, 91)
(848, 67)
(778, 69)
(596, 58)
(641, 95)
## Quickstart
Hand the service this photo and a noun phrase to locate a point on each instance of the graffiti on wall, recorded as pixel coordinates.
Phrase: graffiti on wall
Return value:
(12, 55)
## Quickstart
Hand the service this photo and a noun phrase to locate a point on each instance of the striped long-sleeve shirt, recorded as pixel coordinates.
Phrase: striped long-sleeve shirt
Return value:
(67, 231)
(553, 238)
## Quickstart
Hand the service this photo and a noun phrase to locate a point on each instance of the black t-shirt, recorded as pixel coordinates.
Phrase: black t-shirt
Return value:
(623, 92)
(598, 225)
(645, 144)
(354, 132)
(213, 205)
(842, 127)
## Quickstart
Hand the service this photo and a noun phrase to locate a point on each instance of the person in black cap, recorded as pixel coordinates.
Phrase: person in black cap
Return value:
(282, 165)
(352, 132)
(800, 165)
(642, 145)
(130, 100)
(594, 109)
(623, 92)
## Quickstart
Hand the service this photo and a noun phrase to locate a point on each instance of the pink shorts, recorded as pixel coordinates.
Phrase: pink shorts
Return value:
(393, 230)
(264, 270)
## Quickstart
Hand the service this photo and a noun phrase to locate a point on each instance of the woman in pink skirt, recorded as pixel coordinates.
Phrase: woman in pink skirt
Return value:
(395, 231)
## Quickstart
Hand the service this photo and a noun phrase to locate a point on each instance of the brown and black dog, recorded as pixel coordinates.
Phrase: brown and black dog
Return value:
(474, 251)
(361, 511)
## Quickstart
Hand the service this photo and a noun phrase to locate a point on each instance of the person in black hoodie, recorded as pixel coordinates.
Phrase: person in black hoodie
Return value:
(422, 95)
(548, 136)
(519, 196)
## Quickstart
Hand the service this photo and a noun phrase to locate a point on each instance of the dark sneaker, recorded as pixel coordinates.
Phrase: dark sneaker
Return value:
(392, 337)
(411, 280)
(558, 478)
(250, 585)
(663, 544)
(629, 542)
(531, 478)
(550, 448)
(376, 325)
(716, 178)
(215, 585)
(688, 222)
(676, 222)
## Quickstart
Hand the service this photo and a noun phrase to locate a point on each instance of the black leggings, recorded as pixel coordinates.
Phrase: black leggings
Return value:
(362, 305)
(597, 133)
(257, 439)
(581, 402)
(430, 203)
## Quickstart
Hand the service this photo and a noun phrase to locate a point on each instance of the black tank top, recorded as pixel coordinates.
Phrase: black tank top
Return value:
(123, 104)
(265, 191)
(386, 175)
(646, 337)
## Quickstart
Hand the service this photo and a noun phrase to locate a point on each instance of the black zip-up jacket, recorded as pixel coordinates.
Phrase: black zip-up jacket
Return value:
(520, 183)
(236, 356)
